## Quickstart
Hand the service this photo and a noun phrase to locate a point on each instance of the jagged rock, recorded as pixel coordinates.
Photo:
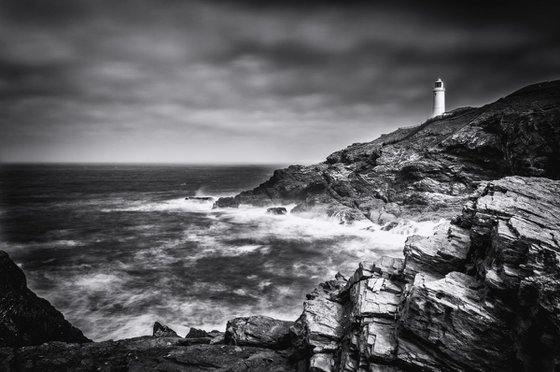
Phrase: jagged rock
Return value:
(429, 170)
(197, 333)
(451, 315)
(199, 336)
(481, 294)
(439, 254)
(277, 210)
(26, 319)
(144, 354)
(161, 330)
(258, 330)
(375, 297)
(321, 325)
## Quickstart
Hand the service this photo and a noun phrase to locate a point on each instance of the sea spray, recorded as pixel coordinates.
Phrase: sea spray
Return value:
(115, 259)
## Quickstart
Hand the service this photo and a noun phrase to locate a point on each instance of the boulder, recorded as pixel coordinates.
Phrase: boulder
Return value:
(258, 330)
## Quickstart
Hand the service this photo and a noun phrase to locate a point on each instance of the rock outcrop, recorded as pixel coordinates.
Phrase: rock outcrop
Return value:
(258, 330)
(26, 319)
(161, 330)
(427, 170)
(277, 210)
(482, 294)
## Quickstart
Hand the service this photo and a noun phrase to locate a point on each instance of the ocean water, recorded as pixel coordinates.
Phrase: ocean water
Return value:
(117, 247)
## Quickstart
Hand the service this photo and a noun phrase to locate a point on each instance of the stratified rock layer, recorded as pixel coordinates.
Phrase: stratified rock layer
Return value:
(481, 294)
(427, 170)
(26, 319)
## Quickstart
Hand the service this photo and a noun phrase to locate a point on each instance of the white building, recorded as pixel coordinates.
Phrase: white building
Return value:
(438, 107)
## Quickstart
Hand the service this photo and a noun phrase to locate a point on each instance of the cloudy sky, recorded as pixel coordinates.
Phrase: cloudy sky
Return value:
(249, 81)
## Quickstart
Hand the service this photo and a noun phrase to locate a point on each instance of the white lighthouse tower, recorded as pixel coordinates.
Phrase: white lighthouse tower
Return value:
(439, 99)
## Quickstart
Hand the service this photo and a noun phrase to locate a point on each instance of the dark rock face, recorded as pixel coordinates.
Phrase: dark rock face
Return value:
(26, 319)
(430, 169)
(258, 331)
(161, 330)
(199, 336)
(481, 294)
(277, 210)
(197, 333)
(227, 202)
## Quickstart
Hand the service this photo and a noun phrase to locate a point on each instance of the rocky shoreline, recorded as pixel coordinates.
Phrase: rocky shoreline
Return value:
(427, 171)
(481, 294)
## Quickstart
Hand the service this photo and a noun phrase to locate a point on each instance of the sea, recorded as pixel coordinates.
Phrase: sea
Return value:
(116, 247)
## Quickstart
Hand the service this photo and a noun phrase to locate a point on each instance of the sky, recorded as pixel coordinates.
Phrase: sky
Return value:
(250, 81)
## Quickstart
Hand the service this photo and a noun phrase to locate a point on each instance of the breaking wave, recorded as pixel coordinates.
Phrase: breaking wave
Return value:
(186, 264)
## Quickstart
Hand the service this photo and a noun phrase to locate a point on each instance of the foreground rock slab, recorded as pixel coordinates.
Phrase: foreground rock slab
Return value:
(143, 354)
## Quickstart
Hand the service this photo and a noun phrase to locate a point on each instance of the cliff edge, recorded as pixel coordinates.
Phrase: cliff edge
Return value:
(427, 170)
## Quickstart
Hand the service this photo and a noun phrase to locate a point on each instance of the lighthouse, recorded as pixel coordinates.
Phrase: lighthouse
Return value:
(438, 107)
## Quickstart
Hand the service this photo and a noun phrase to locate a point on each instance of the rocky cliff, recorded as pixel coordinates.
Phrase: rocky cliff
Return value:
(427, 170)
(479, 295)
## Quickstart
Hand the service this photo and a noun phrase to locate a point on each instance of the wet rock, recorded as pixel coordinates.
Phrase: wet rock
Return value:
(26, 319)
(161, 330)
(277, 211)
(258, 330)
(200, 198)
(227, 202)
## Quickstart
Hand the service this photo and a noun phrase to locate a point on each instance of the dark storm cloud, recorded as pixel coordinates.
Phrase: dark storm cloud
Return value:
(249, 81)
